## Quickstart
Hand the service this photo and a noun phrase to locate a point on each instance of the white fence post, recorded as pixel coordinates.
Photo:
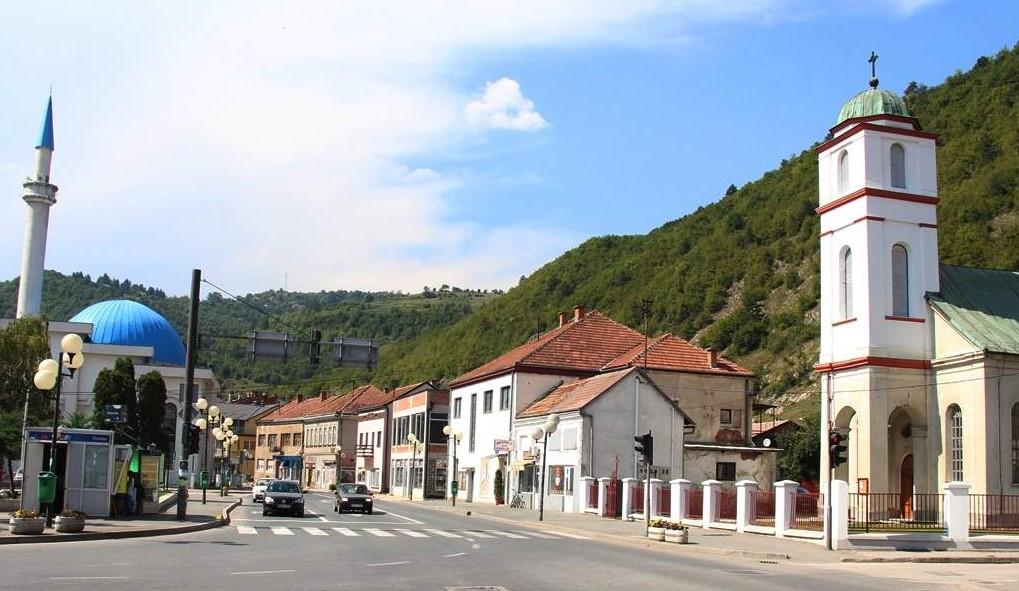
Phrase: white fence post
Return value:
(839, 514)
(785, 506)
(656, 485)
(603, 493)
(957, 511)
(744, 504)
(629, 488)
(679, 499)
(712, 496)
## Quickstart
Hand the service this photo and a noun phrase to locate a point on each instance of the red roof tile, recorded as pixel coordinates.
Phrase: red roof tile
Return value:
(575, 395)
(671, 353)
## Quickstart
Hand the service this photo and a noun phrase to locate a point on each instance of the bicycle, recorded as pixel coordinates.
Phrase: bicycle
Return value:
(517, 502)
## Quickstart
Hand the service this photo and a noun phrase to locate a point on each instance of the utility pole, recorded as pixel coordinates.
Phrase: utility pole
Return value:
(189, 384)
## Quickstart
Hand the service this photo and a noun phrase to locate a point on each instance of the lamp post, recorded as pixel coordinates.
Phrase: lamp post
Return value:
(539, 434)
(455, 436)
(48, 377)
(412, 438)
(208, 416)
(225, 436)
(338, 477)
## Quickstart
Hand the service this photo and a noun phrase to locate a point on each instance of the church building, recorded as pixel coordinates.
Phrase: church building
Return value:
(919, 361)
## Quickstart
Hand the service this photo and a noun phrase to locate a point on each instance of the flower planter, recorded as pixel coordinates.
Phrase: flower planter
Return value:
(69, 525)
(656, 533)
(677, 536)
(27, 525)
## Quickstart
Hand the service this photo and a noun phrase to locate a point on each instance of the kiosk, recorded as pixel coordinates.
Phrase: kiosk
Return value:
(84, 468)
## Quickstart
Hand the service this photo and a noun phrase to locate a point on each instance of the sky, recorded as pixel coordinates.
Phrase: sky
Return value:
(393, 145)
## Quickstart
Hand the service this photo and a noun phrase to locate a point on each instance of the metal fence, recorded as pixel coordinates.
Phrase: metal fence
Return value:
(808, 511)
(637, 499)
(994, 513)
(612, 499)
(727, 505)
(894, 511)
(762, 508)
(695, 503)
(665, 501)
(592, 494)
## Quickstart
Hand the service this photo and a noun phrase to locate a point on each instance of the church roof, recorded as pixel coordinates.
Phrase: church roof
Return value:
(46, 135)
(124, 322)
(873, 102)
(982, 304)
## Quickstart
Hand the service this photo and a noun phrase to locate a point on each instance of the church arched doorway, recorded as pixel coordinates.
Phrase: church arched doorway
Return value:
(906, 487)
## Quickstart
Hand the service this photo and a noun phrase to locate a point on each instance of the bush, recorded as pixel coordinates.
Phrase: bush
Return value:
(72, 514)
(25, 514)
(332, 486)
(666, 524)
(499, 486)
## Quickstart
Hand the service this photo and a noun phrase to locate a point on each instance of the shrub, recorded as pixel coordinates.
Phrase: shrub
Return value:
(667, 524)
(25, 514)
(72, 514)
(332, 486)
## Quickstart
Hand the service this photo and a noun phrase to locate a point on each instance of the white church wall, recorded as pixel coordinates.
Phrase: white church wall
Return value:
(947, 341)
(962, 383)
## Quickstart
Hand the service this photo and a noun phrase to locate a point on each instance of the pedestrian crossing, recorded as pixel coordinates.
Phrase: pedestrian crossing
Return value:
(377, 532)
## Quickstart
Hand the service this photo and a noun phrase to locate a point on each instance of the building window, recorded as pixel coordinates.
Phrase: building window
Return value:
(843, 171)
(900, 281)
(456, 407)
(297, 439)
(1015, 443)
(526, 479)
(560, 480)
(955, 443)
(898, 164)
(725, 416)
(285, 439)
(379, 439)
(488, 402)
(725, 471)
(474, 422)
(504, 398)
(272, 440)
(846, 285)
(261, 440)
(437, 420)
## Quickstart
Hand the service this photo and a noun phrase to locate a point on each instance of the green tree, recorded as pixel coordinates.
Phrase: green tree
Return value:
(499, 487)
(152, 410)
(801, 451)
(116, 385)
(23, 344)
(78, 421)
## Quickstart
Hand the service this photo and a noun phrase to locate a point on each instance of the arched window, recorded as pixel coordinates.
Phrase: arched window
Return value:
(1015, 443)
(846, 285)
(900, 281)
(898, 162)
(955, 443)
(843, 171)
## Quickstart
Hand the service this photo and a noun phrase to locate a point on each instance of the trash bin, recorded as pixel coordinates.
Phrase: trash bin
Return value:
(203, 479)
(47, 487)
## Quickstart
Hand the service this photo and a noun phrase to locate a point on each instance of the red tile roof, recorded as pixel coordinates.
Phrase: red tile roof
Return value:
(301, 407)
(363, 397)
(575, 395)
(671, 353)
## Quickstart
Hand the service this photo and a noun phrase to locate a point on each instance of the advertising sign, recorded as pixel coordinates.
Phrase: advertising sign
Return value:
(503, 446)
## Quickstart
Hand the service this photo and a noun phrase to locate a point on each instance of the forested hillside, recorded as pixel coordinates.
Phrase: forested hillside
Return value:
(740, 275)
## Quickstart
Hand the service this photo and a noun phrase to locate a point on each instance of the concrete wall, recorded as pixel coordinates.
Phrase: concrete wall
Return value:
(702, 396)
(701, 464)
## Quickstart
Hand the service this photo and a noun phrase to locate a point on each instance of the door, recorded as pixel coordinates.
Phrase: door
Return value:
(470, 484)
(906, 487)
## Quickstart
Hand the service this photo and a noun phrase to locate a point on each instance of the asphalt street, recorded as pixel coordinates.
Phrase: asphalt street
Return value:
(400, 546)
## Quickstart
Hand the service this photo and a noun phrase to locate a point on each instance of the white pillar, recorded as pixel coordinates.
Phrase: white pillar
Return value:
(957, 511)
(629, 489)
(680, 498)
(603, 493)
(785, 506)
(656, 485)
(712, 496)
(587, 484)
(839, 526)
(744, 503)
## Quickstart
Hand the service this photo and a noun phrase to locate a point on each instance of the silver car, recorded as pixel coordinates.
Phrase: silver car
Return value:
(258, 490)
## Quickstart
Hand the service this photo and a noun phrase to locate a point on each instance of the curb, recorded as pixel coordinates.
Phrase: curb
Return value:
(986, 559)
(634, 541)
(223, 518)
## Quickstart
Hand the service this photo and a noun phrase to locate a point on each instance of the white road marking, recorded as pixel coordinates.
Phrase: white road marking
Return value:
(244, 529)
(566, 535)
(455, 555)
(315, 531)
(506, 534)
(85, 578)
(388, 563)
(345, 531)
(539, 535)
(412, 533)
(445, 534)
(478, 534)
(388, 512)
(378, 532)
(282, 531)
(320, 500)
(263, 572)
(475, 546)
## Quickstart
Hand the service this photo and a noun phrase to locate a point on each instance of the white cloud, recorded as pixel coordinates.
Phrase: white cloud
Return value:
(254, 139)
(909, 7)
(503, 106)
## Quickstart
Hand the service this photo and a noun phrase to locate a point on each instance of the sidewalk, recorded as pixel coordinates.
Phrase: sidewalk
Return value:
(200, 517)
(715, 542)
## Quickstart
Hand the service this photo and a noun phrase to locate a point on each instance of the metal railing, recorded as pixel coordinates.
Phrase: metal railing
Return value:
(592, 494)
(727, 504)
(612, 499)
(762, 508)
(994, 513)
(808, 511)
(894, 511)
(637, 499)
(695, 503)
(665, 501)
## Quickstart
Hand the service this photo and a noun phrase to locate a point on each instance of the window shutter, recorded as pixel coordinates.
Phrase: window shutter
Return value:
(897, 159)
(900, 281)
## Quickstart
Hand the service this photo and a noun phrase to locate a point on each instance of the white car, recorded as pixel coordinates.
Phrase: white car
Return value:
(258, 490)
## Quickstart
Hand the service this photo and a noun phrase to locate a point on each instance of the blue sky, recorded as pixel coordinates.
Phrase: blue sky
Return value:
(448, 142)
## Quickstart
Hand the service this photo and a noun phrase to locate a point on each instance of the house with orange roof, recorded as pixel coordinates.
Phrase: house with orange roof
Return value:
(419, 461)
(279, 438)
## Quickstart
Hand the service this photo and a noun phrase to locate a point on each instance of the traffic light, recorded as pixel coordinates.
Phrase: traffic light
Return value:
(838, 454)
(645, 447)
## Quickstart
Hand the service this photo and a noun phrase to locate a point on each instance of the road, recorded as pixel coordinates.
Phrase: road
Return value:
(403, 546)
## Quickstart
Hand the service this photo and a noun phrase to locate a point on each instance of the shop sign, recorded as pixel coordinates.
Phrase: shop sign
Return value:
(503, 446)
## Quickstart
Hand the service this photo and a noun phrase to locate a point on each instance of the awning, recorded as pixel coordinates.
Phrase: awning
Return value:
(521, 464)
(290, 461)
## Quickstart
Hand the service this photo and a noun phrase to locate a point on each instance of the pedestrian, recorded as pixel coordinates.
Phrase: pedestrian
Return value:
(132, 492)
(139, 495)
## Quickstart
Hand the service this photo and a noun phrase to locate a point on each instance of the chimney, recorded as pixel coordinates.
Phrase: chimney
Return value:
(562, 319)
(578, 313)
(300, 398)
(322, 396)
(712, 357)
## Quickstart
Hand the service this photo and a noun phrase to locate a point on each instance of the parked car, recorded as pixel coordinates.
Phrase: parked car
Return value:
(258, 489)
(352, 497)
(283, 496)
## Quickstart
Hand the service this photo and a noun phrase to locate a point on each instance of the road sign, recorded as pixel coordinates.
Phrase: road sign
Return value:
(659, 472)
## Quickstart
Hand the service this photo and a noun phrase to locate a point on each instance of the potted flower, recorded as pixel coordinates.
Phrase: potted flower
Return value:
(69, 522)
(25, 521)
(499, 488)
(676, 532)
(656, 530)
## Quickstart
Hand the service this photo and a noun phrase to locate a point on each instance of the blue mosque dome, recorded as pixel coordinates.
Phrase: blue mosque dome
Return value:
(124, 322)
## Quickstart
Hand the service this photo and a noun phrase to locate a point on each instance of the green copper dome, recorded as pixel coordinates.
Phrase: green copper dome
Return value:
(873, 102)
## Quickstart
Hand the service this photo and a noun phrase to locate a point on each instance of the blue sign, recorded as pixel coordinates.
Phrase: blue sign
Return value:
(47, 435)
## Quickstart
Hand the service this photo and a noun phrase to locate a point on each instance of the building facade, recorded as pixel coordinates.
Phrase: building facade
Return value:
(419, 468)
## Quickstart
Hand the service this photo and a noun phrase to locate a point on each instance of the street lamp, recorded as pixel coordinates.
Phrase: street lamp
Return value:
(417, 445)
(456, 436)
(48, 377)
(539, 433)
(228, 438)
(208, 416)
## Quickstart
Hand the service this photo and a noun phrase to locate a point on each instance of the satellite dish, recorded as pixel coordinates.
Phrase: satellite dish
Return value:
(766, 442)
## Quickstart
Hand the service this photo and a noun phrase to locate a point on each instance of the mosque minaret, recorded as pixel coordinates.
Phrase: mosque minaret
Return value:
(40, 195)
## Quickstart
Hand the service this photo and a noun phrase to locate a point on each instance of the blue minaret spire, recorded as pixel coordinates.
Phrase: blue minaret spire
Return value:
(46, 135)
